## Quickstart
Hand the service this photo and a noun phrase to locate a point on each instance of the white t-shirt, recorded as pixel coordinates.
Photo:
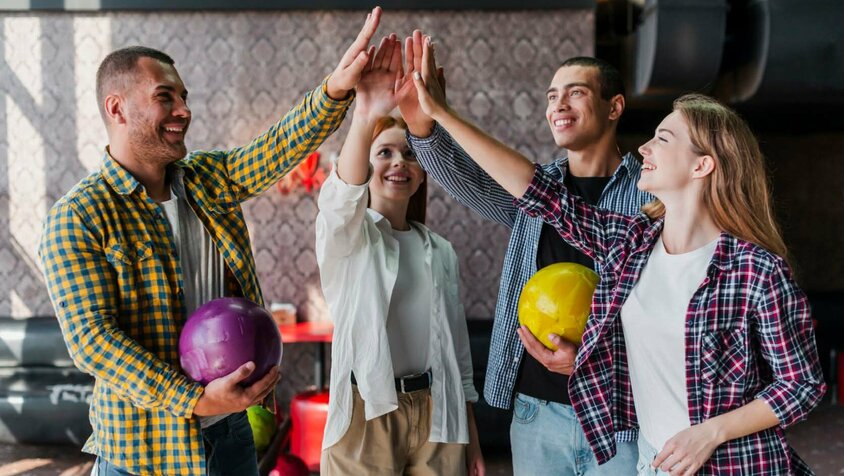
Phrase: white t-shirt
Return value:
(203, 268)
(654, 323)
(409, 317)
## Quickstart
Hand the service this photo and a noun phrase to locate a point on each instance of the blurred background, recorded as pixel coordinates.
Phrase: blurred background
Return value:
(780, 63)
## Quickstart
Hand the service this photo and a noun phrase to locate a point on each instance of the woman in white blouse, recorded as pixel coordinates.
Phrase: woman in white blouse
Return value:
(401, 371)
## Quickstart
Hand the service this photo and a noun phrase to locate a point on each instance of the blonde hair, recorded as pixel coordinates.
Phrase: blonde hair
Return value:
(738, 193)
(418, 204)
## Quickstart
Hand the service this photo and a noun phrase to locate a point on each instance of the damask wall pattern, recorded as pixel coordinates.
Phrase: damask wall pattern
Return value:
(243, 71)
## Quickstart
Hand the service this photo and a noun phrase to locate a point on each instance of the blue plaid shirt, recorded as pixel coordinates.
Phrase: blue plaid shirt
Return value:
(461, 177)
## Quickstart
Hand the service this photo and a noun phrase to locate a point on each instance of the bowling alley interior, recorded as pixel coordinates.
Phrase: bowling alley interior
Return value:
(778, 64)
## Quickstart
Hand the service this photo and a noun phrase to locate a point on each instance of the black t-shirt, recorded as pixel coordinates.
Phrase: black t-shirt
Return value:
(534, 379)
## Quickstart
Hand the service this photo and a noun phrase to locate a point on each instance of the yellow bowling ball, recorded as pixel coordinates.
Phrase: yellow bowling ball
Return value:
(556, 300)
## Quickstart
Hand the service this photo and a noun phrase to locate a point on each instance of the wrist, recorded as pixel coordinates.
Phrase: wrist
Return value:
(335, 92)
(421, 129)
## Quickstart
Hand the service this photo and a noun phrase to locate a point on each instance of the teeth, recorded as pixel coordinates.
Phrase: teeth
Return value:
(397, 179)
(173, 129)
(563, 122)
(648, 167)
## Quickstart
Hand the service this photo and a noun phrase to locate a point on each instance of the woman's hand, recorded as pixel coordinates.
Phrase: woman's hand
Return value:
(376, 88)
(687, 451)
(347, 73)
(430, 92)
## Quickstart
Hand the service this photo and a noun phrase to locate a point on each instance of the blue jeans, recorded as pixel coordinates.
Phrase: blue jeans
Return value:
(647, 453)
(546, 439)
(229, 450)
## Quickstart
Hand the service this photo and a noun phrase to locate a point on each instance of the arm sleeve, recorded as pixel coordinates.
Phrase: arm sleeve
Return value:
(451, 167)
(82, 286)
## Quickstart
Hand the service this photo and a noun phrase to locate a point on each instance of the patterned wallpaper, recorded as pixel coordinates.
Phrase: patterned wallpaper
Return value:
(243, 71)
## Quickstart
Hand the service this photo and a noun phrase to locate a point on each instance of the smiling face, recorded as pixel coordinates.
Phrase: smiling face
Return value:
(156, 113)
(670, 162)
(576, 113)
(396, 173)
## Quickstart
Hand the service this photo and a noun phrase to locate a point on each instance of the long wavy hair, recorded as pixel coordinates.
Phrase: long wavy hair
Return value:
(738, 193)
(418, 204)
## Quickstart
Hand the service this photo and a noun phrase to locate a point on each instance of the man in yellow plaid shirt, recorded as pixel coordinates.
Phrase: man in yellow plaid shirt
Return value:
(124, 261)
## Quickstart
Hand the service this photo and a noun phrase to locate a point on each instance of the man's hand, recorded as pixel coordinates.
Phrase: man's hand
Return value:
(226, 395)
(417, 121)
(560, 361)
(688, 450)
(347, 74)
(430, 92)
(375, 90)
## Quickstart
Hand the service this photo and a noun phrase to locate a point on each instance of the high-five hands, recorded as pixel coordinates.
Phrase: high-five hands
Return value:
(348, 72)
(376, 88)
(419, 123)
(430, 92)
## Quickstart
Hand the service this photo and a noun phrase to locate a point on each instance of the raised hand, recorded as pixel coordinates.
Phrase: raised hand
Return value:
(376, 88)
(347, 74)
(419, 123)
(430, 92)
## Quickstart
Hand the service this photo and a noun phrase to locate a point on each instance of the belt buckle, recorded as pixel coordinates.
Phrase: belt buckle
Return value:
(401, 379)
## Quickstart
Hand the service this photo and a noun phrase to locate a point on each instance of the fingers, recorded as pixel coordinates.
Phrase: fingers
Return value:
(394, 63)
(427, 53)
(363, 38)
(378, 60)
(408, 54)
(417, 50)
(242, 372)
(534, 347)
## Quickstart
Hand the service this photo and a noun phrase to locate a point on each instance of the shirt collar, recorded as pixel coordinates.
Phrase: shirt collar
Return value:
(124, 183)
(116, 176)
(722, 258)
(629, 165)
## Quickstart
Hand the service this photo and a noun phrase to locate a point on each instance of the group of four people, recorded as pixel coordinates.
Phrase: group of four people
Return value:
(698, 353)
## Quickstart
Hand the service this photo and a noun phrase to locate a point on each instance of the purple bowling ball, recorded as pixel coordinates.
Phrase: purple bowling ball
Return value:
(224, 334)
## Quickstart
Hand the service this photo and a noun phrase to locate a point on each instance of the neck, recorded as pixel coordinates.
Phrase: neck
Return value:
(688, 225)
(151, 175)
(597, 160)
(394, 211)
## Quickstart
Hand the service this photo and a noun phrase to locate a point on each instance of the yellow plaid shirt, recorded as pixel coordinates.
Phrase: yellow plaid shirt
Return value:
(115, 283)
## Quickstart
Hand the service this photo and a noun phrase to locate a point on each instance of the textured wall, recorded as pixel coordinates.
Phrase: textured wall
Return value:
(243, 71)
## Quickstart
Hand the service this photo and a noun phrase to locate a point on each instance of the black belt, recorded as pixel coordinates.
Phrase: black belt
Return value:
(409, 383)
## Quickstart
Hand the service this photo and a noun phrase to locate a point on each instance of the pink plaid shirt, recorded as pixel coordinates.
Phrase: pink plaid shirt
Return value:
(748, 335)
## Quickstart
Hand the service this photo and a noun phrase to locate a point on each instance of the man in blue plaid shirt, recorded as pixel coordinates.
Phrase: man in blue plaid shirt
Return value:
(584, 103)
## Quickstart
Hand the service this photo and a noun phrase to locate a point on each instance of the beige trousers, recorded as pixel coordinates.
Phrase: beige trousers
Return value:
(393, 444)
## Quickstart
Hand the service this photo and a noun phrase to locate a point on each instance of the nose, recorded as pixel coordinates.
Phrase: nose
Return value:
(645, 149)
(182, 109)
(560, 104)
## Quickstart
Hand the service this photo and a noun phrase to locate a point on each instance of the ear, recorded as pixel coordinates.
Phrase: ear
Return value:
(114, 109)
(616, 107)
(704, 166)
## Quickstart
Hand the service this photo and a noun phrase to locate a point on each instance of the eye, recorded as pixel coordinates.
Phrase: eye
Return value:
(662, 139)
(576, 92)
(552, 97)
(384, 153)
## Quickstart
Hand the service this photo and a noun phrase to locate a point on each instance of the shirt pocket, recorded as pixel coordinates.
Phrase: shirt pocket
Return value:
(724, 356)
(122, 254)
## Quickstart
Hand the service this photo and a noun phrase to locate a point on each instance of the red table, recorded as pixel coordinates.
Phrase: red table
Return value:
(311, 332)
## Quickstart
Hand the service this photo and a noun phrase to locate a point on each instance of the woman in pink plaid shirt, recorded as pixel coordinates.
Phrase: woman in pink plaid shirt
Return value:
(699, 335)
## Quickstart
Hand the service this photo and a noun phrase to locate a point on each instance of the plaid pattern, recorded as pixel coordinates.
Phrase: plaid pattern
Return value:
(460, 176)
(748, 335)
(110, 264)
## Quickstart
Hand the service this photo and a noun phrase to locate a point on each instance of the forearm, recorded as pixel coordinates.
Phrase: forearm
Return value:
(506, 166)
(353, 163)
(750, 418)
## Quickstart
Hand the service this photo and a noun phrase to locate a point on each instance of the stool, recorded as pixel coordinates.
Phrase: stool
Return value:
(308, 411)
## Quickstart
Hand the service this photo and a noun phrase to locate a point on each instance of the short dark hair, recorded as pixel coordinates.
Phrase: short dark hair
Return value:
(608, 75)
(120, 63)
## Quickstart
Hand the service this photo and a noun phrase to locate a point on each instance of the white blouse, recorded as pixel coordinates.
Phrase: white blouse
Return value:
(358, 259)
